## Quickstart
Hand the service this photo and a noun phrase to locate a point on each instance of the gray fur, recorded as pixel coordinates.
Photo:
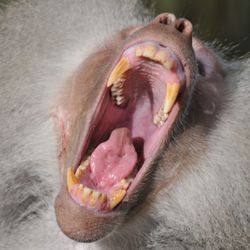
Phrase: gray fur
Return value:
(42, 42)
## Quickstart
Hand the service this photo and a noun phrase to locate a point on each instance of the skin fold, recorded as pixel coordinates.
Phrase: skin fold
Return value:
(55, 59)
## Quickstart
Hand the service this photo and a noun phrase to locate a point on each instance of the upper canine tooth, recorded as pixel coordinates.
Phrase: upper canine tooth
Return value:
(149, 51)
(71, 179)
(116, 198)
(172, 93)
(121, 67)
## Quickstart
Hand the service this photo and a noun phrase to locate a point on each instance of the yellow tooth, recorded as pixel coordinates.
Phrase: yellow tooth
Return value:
(139, 51)
(169, 64)
(82, 168)
(85, 194)
(149, 51)
(79, 191)
(121, 67)
(71, 179)
(94, 197)
(124, 183)
(160, 117)
(102, 198)
(160, 56)
(116, 198)
(172, 92)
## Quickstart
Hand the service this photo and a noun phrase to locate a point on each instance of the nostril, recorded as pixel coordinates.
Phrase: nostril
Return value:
(180, 27)
(165, 19)
(184, 26)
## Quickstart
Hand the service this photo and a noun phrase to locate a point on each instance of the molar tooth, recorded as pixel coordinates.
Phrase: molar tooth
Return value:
(121, 67)
(172, 93)
(116, 198)
(160, 117)
(71, 179)
(119, 83)
(120, 100)
(149, 51)
(119, 92)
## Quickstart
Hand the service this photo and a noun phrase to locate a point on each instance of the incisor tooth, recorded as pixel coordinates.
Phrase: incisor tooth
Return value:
(71, 179)
(93, 198)
(116, 198)
(80, 171)
(124, 183)
(169, 64)
(160, 56)
(149, 51)
(139, 51)
(121, 67)
(85, 194)
(82, 168)
(172, 92)
(102, 198)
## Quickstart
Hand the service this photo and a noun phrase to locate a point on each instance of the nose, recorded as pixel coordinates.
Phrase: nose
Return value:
(182, 25)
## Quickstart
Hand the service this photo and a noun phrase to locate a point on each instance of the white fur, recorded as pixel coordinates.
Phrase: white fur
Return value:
(41, 43)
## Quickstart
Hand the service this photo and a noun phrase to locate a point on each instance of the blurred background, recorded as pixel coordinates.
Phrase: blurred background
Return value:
(227, 21)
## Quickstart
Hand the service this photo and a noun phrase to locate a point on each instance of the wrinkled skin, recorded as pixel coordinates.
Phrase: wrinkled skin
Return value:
(196, 192)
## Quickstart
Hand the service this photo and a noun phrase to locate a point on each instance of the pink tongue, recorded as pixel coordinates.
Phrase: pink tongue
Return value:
(113, 159)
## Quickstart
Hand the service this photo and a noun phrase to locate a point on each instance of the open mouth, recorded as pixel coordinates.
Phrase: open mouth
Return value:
(137, 109)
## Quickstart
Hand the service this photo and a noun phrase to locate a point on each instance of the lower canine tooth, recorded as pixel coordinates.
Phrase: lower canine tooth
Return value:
(160, 117)
(71, 179)
(116, 198)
